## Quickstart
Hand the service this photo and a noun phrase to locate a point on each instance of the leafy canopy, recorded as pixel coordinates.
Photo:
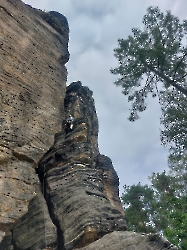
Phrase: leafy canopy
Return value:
(174, 120)
(161, 208)
(147, 58)
(137, 200)
(171, 205)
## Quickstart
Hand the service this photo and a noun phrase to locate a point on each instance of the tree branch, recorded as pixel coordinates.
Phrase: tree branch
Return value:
(163, 43)
(165, 78)
(182, 77)
(179, 64)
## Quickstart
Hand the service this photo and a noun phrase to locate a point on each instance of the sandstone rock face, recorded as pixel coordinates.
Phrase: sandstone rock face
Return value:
(81, 205)
(35, 229)
(42, 231)
(130, 241)
(110, 181)
(17, 184)
(33, 51)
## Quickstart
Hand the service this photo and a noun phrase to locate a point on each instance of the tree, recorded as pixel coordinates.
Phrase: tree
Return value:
(171, 195)
(137, 199)
(174, 119)
(176, 232)
(161, 208)
(156, 54)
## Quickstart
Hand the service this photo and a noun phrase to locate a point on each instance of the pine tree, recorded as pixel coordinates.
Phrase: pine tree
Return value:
(137, 200)
(154, 61)
(150, 57)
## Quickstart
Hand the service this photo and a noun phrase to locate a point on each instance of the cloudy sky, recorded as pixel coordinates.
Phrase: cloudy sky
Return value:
(95, 26)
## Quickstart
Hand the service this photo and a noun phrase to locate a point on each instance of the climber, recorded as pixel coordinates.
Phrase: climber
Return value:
(69, 122)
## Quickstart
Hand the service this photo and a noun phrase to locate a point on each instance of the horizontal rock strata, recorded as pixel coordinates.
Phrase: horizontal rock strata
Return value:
(75, 187)
(35, 229)
(17, 187)
(130, 241)
(110, 181)
(33, 51)
(35, 226)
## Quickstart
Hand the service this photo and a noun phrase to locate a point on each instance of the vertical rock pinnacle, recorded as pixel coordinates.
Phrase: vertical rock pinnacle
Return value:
(78, 190)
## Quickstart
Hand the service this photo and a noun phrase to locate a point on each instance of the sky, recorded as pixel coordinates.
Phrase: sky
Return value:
(95, 27)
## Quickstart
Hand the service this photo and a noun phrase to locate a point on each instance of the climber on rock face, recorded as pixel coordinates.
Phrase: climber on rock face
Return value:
(70, 122)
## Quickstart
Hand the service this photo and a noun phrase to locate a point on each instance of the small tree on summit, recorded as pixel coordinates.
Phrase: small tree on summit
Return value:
(156, 54)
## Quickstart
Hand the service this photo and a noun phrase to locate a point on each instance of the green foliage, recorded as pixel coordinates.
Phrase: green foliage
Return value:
(161, 209)
(174, 119)
(137, 200)
(177, 231)
(151, 56)
(170, 192)
(158, 54)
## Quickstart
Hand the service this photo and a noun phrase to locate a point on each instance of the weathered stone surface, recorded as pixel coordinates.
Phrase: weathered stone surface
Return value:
(33, 51)
(2, 235)
(35, 229)
(6, 243)
(110, 181)
(130, 241)
(74, 183)
(32, 78)
(82, 211)
(17, 187)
